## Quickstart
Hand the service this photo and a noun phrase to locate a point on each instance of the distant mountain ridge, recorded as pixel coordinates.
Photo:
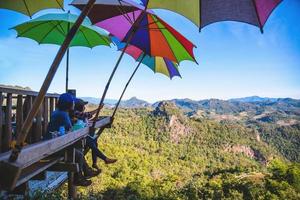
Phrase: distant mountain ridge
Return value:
(254, 103)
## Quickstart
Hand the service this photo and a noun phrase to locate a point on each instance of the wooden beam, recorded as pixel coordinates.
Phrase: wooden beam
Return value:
(35, 169)
(7, 136)
(26, 108)
(23, 92)
(65, 167)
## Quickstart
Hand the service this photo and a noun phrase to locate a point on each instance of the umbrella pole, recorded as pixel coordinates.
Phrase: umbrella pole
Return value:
(51, 73)
(67, 70)
(125, 88)
(101, 103)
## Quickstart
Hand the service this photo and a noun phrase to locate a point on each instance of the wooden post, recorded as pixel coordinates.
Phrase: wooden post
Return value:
(125, 88)
(55, 103)
(51, 109)
(45, 115)
(1, 120)
(38, 129)
(70, 158)
(52, 71)
(19, 113)
(8, 129)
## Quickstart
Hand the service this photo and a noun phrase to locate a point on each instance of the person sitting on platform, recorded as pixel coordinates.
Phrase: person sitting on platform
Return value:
(59, 125)
(91, 141)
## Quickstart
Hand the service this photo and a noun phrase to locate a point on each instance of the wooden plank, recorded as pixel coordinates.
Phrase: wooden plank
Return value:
(45, 115)
(7, 136)
(35, 152)
(35, 169)
(1, 120)
(23, 92)
(19, 113)
(65, 167)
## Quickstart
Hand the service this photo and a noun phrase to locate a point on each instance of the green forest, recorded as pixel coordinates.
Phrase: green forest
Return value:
(164, 154)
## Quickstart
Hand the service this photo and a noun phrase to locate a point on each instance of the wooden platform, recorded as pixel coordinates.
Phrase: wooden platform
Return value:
(31, 157)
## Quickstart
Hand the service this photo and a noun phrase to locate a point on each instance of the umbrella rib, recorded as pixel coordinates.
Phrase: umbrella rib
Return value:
(105, 39)
(127, 17)
(121, 7)
(60, 5)
(86, 38)
(62, 30)
(180, 43)
(24, 1)
(45, 22)
(49, 33)
(124, 15)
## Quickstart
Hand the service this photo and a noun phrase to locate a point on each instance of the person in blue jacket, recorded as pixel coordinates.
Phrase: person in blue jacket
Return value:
(60, 124)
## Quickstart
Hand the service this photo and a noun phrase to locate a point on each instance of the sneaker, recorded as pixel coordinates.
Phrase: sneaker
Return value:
(91, 173)
(95, 166)
(82, 182)
(110, 161)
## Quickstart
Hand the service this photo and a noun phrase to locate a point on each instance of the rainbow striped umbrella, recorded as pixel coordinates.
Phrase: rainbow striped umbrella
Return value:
(134, 25)
(155, 63)
(205, 12)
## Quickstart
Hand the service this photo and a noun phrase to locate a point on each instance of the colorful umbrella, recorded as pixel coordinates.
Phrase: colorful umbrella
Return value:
(134, 25)
(156, 64)
(205, 12)
(30, 7)
(53, 29)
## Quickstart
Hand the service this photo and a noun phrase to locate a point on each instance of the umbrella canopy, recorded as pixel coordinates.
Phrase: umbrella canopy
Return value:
(53, 29)
(156, 64)
(30, 7)
(152, 35)
(205, 12)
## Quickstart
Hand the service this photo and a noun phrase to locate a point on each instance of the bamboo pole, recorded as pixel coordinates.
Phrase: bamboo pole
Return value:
(67, 70)
(101, 103)
(51, 73)
(125, 88)
(67, 62)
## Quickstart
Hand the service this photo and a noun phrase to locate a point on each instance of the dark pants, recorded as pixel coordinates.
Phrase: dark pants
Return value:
(92, 143)
(80, 159)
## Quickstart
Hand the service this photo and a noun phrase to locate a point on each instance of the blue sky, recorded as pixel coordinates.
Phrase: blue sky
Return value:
(235, 60)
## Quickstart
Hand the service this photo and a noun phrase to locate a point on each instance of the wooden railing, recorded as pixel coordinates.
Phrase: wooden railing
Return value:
(37, 156)
(14, 107)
